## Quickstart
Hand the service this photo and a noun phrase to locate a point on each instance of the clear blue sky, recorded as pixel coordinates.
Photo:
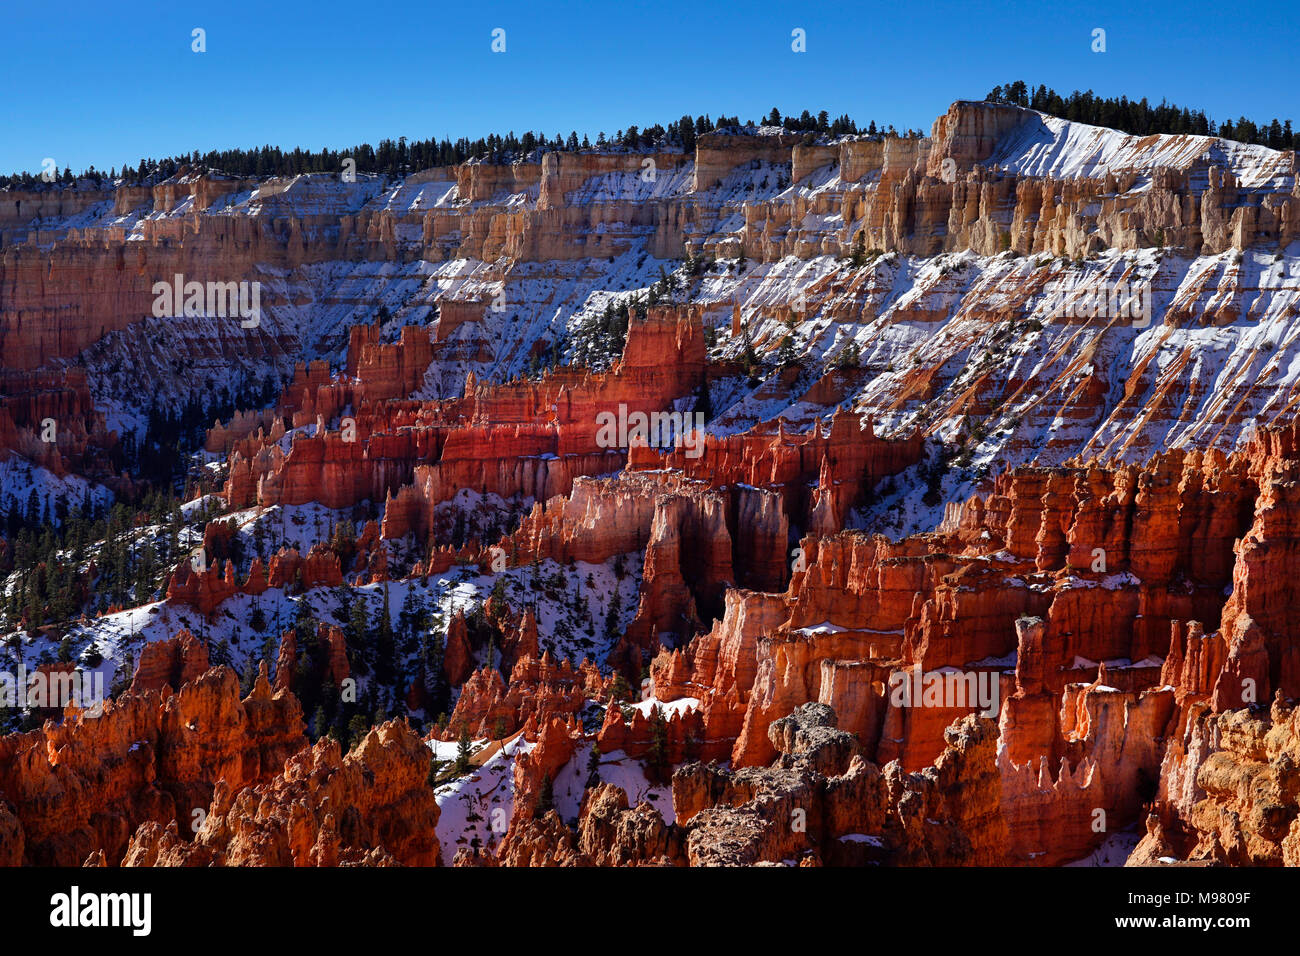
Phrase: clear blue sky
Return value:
(107, 83)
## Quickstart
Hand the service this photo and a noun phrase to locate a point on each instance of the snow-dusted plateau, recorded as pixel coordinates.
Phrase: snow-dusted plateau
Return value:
(984, 555)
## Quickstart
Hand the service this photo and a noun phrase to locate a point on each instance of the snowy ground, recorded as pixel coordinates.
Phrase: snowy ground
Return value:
(478, 805)
(1114, 850)
(19, 477)
(570, 617)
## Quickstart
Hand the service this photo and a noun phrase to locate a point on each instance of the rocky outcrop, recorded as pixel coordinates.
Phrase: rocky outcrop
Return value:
(369, 807)
(88, 783)
(876, 330)
(823, 804)
(610, 833)
(555, 742)
(819, 803)
(1237, 804)
(1077, 577)
(538, 689)
(169, 663)
(49, 417)
(205, 589)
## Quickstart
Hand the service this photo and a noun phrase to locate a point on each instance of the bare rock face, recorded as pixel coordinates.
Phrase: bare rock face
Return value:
(79, 441)
(808, 739)
(612, 834)
(555, 743)
(951, 813)
(1094, 724)
(170, 663)
(1246, 801)
(843, 461)
(205, 590)
(538, 690)
(1114, 599)
(543, 841)
(752, 815)
(457, 662)
(491, 439)
(88, 783)
(969, 132)
(12, 838)
(608, 833)
(948, 814)
(1090, 717)
(80, 283)
(323, 809)
(820, 803)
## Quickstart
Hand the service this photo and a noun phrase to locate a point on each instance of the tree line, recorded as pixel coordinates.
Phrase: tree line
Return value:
(1140, 118)
(400, 156)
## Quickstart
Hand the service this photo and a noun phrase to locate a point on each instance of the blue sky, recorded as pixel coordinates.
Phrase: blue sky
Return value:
(108, 83)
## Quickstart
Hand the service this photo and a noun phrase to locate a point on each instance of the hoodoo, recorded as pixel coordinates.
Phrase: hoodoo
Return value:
(730, 494)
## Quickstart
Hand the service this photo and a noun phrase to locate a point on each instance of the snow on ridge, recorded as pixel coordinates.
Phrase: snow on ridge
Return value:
(1064, 149)
(668, 707)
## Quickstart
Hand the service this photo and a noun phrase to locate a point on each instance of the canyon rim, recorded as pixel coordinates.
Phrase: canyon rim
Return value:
(797, 491)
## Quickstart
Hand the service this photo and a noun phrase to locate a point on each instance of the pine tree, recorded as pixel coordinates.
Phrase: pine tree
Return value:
(613, 617)
(849, 356)
(384, 651)
(435, 681)
(464, 749)
(656, 760)
(358, 727)
(546, 798)
(620, 690)
(787, 352)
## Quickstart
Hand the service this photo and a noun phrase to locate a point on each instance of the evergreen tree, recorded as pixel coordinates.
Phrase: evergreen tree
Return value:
(319, 723)
(787, 353)
(464, 749)
(613, 617)
(620, 690)
(656, 760)
(435, 681)
(384, 659)
(1140, 118)
(546, 798)
(358, 727)
(849, 356)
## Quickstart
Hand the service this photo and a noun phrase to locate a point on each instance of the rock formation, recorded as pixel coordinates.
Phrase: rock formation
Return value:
(87, 783)
(369, 807)
(980, 551)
